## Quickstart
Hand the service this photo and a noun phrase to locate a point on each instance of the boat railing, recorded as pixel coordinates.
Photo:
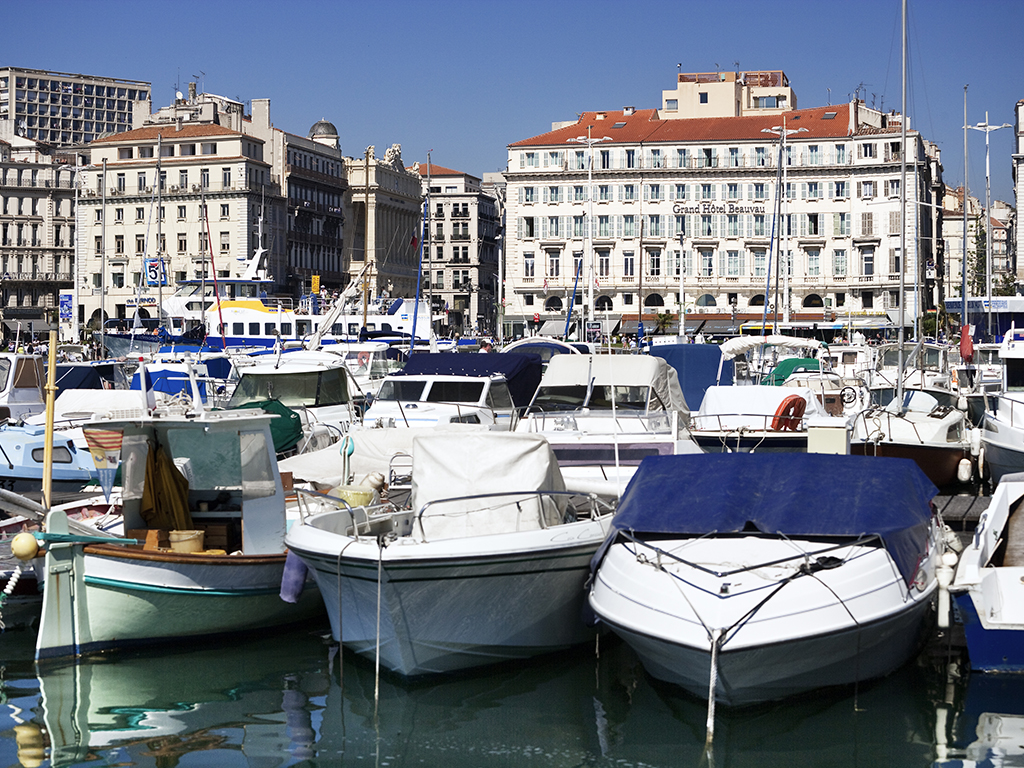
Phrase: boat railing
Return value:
(734, 423)
(364, 520)
(623, 421)
(570, 505)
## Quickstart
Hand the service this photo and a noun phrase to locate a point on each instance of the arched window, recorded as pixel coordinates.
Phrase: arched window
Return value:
(654, 300)
(553, 304)
(756, 301)
(813, 300)
(707, 300)
(603, 304)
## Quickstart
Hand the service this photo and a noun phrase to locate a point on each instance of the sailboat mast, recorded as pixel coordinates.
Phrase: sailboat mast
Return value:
(903, 207)
(159, 240)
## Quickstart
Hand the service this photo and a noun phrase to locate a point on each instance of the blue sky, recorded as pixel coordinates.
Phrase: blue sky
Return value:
(465, 79)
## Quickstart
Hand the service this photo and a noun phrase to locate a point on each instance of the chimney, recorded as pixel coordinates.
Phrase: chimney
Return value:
(628, 110)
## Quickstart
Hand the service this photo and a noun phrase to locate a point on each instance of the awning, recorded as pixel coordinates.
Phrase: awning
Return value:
(554, 328)
(711, 327)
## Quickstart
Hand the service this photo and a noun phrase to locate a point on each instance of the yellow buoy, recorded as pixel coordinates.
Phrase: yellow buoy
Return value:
(24, 546)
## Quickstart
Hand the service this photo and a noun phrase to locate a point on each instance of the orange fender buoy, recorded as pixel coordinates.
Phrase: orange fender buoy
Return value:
(789, 413)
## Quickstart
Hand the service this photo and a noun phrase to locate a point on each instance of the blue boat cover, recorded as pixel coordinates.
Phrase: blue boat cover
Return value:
(697, 367)
(522, 372)
(167, 380)
(795, 494)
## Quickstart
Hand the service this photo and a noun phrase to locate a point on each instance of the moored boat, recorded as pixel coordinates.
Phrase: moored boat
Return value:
(739, 576)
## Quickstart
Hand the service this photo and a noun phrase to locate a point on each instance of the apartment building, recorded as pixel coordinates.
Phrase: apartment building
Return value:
(460, 253)
(37, 229)
(651, 213)
(187, 195)
(65, 109)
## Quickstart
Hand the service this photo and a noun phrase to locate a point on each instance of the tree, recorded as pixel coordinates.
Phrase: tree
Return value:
(977, 273)
(662, 322)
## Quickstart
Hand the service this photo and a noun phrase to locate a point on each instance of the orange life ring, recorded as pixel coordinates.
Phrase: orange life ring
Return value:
(789, 413)
(364, 358)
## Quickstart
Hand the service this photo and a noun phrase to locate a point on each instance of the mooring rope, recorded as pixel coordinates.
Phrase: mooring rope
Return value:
(712, 685)
(376, 671)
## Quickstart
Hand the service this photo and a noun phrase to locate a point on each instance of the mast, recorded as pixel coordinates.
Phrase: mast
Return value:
(903, 208)
(159, 228)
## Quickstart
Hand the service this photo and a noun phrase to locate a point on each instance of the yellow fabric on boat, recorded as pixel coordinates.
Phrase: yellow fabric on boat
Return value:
(165, 495)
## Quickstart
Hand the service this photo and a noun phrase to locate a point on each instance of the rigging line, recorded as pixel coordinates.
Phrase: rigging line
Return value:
(376, 669)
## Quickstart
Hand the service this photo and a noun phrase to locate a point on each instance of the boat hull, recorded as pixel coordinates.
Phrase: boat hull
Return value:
(781, 670)
(135, 597)
(990, 649)
(939, 463)
(442, 613)
(751, 442)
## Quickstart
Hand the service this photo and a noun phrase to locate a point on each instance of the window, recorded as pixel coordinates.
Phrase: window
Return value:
(655, 191)
(142, 181)
(577, 263)
(867, 150)
(224, 210)
(181, 213)
(529, 229)
(840, 154)
(606, 159)
(867, 188)
(140, 214)
(654, 262)
(760, 157)
(893, 187)
(604, 192)
(680, 192)
(708, 159)
(867, 299)
(555, 159)
(552, 226)
(683, 158)
(813, 190)
(122, 184)
(529, 265)
(759, 263)
(528, 299)
(813, 262)
(209, 148)
(812, 224)
(841, 224)
(117, 279)
(867, 256)
(225, 242)
(842, 189)
(628, 264)
(579, 194)
(732, 225)
(225, 178)
(140, 244)
(706, 229)
(707, 262)
(759, 230)
(183, 179)
(531, 160)
(734, 263)
(118, 245)
(204, 178)
(703, 97)
(579, 160)
(733, 191)
(867, 224)
(578, 226)
(656, 158)
(894, 222)
(119, 214)
(759, 193)
(627, 298)
(707, 191)
(439, 279)
(631, 158)
(681, 226)
(554, 194)
(734, 157)
(603, 228)
(629, 192)
(182, 242)
(603, 264)
(628, 226)
(671, 105)
(554, 264)
(654, 225)
(813, 157)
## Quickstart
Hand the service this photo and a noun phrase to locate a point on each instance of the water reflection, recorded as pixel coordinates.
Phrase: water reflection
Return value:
(291, 699)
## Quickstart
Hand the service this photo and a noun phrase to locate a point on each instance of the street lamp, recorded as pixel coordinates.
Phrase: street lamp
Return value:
(783, 132)
(988, 214)
(590, 142)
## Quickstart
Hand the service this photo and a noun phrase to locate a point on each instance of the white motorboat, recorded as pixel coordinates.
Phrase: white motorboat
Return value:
(204, 509)
(738, 576)
(1002, 430)
(487, 564)
(443, 388)
(989, 582)
(745, 419)
(603, 414)
(936, 436)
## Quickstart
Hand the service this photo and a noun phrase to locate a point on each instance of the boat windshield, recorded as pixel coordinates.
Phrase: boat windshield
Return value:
(455, 392)
(930, 359)
(567, 398)
(5, 372)
(295, 390)
(401, 389)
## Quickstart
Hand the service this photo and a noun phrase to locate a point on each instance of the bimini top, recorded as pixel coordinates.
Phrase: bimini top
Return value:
(795, 494)
(617, 371)
(522, 372)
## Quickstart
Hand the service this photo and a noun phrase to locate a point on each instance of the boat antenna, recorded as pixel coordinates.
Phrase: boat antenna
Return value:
(903, 211)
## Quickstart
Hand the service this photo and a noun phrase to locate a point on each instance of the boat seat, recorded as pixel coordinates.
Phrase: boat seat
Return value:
(1014, 555)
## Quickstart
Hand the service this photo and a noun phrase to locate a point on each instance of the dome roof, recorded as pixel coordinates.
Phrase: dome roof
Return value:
(322, 128)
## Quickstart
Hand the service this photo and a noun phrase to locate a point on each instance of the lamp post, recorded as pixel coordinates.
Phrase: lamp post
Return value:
(783, 133)
(988, 215)
(590, 142)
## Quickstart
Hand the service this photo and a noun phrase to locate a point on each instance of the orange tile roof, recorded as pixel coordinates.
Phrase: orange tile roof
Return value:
(644, 125)
(437, 170)
(150, 132)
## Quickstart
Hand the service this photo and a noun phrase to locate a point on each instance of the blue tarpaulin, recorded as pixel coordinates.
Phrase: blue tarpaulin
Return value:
(522, 372)
(794, 494)
(697, 367)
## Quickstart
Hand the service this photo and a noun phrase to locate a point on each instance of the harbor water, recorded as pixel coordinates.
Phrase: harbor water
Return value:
(294, 699)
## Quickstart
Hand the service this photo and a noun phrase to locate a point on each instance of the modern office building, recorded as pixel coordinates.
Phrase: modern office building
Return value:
(65, 109)
(460, 253)
(689, 207)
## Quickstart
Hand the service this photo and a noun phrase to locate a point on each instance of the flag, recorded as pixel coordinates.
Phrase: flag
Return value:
(414, 243)
(966, 344)
(105, 448)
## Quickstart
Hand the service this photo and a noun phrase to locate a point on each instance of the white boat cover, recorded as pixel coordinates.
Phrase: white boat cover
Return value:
(732, 407)
(374, 450)
(619, 371)
(742, 344)
(80, 404)
(447, 466)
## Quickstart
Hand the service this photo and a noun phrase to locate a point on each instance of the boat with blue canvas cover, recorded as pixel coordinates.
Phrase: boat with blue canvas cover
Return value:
(737, 574)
